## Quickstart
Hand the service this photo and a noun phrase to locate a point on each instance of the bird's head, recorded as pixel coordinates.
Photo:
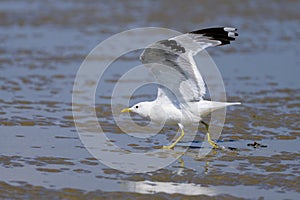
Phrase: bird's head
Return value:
(142, 109)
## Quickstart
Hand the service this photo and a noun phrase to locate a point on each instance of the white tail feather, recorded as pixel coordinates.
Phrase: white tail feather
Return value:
(206, 107)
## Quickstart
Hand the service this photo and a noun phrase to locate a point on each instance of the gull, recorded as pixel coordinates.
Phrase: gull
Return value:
(181, 87)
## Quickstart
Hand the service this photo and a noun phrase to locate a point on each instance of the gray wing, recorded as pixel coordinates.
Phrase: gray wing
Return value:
(172, 64)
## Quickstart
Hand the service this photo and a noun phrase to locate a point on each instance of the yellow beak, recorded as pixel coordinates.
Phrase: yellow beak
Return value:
(126, 110)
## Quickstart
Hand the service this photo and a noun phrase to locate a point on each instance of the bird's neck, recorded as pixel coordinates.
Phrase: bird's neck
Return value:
(147, 109)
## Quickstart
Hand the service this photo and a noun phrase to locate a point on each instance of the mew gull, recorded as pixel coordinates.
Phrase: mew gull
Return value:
(181, 87)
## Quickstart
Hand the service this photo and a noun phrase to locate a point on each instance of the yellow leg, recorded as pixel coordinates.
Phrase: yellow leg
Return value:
(176, 141)
(212, 143)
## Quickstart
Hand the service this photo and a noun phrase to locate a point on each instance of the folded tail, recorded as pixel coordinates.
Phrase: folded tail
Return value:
(206, 107)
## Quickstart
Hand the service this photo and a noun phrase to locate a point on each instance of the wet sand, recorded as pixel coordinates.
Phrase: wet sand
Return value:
(43, 45)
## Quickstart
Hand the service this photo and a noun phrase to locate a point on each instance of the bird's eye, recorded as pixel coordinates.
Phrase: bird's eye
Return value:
(136, 106)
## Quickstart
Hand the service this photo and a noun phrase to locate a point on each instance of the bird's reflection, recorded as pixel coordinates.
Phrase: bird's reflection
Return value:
(181, 167)
(150, 187)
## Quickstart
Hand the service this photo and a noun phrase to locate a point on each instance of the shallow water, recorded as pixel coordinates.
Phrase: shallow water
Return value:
(43, 45)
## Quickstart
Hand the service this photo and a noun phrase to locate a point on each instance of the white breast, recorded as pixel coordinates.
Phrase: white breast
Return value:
(169, 114)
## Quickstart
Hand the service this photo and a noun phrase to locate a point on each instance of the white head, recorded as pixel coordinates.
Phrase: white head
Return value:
(143, 109)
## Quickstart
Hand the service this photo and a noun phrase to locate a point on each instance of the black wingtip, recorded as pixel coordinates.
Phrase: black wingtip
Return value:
(222, 34)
